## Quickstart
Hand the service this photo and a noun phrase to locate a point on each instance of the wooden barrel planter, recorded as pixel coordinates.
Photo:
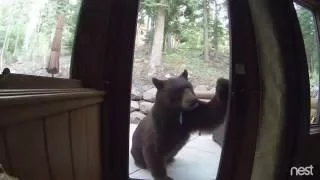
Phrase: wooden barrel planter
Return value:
(49, 133)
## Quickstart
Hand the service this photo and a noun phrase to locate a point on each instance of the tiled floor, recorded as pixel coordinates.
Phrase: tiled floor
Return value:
(198, 160)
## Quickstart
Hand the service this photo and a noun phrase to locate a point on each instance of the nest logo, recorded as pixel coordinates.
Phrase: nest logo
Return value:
(302, 171)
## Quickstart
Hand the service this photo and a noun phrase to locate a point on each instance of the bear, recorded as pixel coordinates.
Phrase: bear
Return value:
(177, 113)
(159, 134)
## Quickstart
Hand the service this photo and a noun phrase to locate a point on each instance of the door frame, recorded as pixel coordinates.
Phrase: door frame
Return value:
(103, 59)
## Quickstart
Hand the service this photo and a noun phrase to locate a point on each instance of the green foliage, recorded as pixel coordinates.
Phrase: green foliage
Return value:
(191, 38)
(15, 21)
(189, 31)
(191, 60)
(12, 19)
(183, 22)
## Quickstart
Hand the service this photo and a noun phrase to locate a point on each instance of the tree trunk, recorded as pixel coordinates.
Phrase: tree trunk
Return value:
(169, 42)
(53, 65)
(216, 29)
(16, 45)
(4, 48)
(150, 32)
(158, 37)
(205, 30)
(148, 23)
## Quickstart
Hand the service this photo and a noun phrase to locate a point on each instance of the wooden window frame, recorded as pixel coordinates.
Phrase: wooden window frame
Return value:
(107, 29)
(99, 62)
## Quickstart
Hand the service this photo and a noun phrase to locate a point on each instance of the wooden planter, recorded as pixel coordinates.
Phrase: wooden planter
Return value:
(51, 134)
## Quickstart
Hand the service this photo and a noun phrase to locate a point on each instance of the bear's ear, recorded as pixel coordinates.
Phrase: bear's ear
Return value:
(184, 74)
(158, 83)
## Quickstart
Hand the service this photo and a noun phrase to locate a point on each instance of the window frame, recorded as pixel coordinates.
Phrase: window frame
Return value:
(315, 10)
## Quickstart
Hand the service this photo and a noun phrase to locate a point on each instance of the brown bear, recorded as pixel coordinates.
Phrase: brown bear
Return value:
(175, 115)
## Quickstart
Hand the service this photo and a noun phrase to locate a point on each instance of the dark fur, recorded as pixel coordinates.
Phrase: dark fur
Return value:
(160, 136)
(208, 116)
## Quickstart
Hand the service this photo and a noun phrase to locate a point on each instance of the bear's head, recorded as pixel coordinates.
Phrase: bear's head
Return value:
(176, 93)
(222, 89)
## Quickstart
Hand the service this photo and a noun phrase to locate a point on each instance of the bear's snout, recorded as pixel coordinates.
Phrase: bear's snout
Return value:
(194, 103)
(189, 100)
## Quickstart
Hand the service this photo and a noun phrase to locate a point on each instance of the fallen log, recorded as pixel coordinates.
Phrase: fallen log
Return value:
(204, 100)
(314, 103)
(204, 95)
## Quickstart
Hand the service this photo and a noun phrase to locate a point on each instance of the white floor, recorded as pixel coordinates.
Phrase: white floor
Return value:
(198, 160)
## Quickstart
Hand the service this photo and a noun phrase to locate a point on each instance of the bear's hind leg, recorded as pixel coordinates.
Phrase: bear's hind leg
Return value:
(155, 162)
(140, 164)
(137, 155)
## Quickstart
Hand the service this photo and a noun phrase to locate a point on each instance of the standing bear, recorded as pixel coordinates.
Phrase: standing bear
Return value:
(177, 113)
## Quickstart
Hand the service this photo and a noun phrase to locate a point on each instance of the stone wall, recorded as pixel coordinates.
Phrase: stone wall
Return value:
(142, 99)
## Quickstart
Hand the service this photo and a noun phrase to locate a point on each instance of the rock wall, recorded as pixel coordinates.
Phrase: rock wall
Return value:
(142, 99)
